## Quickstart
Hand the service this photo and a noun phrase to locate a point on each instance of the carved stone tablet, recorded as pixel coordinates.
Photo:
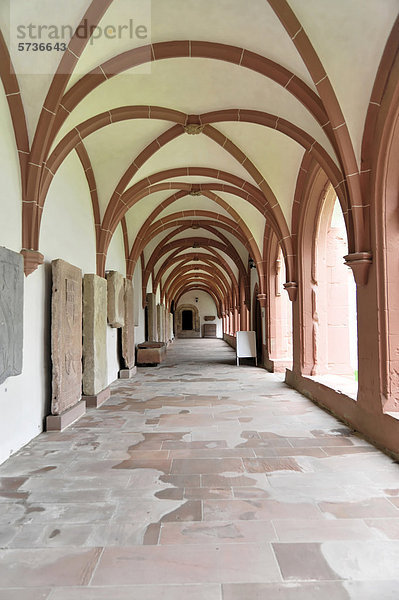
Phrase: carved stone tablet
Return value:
(116, 299)
(159, 323)
(128, 348)
(11, 313)
(94, 335)
(66, 336)
(152, 317)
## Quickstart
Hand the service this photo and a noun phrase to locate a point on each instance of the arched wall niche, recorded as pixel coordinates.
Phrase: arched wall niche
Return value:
(278, 351)
(323, 325)
(386, 214)
(195, 332)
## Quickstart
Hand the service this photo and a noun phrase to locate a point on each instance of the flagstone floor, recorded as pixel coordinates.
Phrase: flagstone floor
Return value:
(200, 480)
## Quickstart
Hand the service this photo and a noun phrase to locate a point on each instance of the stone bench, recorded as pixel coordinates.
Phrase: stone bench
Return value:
(151, 353)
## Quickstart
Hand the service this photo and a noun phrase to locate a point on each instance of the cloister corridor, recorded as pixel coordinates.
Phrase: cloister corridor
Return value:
(203, 480)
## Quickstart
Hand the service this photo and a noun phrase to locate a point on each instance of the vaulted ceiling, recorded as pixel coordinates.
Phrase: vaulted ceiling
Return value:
(193, 140)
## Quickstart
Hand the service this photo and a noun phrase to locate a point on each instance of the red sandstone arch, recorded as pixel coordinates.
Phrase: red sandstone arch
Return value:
(383, 88)
(223, 239)
(139, 193)
(43, 135)
(273, 208)
(384, 212)
(162, 249)
(246, 116)
(210, 218)
(149, 112)
(209, 259)
(17, 112)
(141, 238)
(204, 288)
(213, 219)
(214, 283)
(175, 277)
(193, 49)
(195, 284)
(335, 117)
(91, 182)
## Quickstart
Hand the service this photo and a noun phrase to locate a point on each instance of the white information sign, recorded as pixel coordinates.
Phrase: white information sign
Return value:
(246, 345)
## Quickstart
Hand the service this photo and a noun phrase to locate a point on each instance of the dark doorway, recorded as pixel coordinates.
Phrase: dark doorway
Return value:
(187, 320)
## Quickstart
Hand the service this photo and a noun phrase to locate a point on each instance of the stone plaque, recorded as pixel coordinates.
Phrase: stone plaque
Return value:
(11, 313)
(209, 318)
(152, 317)
(128, 348)
(209, 329)
(159, 323)
(66, 336)
(94, 335)
(116, 299)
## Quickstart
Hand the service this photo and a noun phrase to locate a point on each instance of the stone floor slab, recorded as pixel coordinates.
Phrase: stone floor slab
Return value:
(139, 592)
(187, 564)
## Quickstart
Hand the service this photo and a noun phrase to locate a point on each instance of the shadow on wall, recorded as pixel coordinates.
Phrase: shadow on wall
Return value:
(47, 339)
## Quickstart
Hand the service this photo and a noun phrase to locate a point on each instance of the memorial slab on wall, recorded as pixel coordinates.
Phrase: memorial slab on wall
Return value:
(128, 347)
(116, 299)
(66, 336)
(11, 313)
(152, 317)
(94, 337)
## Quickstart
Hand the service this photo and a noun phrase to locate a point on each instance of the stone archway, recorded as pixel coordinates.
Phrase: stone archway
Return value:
(183, 318)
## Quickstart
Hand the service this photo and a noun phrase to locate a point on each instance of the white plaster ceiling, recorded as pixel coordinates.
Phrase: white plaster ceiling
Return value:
(113, 149)
(191, 151)
(349, 36)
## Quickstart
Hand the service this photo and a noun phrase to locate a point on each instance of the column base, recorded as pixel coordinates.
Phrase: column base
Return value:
(127, 373)
(98, 399)
(61, 422)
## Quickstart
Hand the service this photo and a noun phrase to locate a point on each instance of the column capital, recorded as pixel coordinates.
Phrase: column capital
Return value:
(262, 300)
(292, 289)
(360, 263)
(32, 259)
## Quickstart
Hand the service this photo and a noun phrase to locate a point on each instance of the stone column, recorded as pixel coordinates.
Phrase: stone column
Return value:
(66, 346)
(152, 318)
(95, 371)
(128, 347)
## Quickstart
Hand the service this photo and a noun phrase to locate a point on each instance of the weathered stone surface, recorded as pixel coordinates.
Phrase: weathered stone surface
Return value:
(11, 313)
(94, 335)
(116, 303)
(152, 317)
(66, 336)
(159, 323)
(128, 349)
(127, 373)
(151, 353)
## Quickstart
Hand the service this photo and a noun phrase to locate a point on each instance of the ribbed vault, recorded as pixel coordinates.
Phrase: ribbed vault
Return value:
(199, 174)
